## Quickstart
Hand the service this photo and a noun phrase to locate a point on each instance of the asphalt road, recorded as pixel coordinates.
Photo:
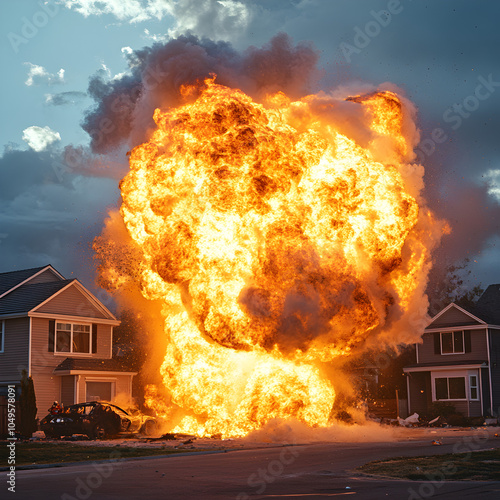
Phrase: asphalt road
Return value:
(314, 471)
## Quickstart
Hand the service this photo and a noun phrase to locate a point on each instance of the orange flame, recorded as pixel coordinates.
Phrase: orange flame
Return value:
(275, 243)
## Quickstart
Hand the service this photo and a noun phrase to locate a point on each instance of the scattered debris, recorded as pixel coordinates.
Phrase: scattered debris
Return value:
(37, 435)
(75, 437)
(409, 421)
(436, 442)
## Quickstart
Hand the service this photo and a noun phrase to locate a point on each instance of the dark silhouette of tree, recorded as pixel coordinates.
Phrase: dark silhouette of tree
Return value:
(450, 285)
(27, 406)
(129, 340)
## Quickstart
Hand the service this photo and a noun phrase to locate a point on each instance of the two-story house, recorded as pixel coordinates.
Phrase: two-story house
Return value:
(458, 360)
(62, 335)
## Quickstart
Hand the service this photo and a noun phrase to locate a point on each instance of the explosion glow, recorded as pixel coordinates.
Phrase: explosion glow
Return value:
(276, 243)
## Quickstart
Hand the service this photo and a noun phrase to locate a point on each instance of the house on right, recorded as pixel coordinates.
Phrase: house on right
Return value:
(458, 360)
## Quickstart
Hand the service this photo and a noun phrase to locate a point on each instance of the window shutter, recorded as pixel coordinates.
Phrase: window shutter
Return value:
(467, 341)
(437, 343)
(94, 338)
(52, 334)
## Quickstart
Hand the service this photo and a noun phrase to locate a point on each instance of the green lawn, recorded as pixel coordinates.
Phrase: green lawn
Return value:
(63, 452)
(477, 466)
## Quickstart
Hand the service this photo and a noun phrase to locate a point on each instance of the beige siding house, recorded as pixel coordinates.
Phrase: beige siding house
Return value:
(458, 360)
(58, 332)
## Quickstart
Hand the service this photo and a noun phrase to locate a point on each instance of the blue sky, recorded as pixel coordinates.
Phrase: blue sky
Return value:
(437, 52)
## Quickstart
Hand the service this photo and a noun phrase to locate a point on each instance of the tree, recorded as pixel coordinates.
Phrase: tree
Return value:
(129, 340)
(27, 406)
(449, 285)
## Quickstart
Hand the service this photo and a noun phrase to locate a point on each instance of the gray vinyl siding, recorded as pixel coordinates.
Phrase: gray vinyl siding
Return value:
(71, 302)
(479, 349)
(495, 369)
(68, 390)
(46, 277)
(15, 355)
(467, 408)
(453, 317)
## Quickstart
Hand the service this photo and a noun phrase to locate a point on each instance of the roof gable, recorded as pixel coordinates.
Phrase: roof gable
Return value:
(26, 297)
(45, 291)
(74, 300)
(453, 315)
(12, 280)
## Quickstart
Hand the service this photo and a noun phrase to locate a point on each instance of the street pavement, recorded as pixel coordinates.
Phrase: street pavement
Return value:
(311, 471)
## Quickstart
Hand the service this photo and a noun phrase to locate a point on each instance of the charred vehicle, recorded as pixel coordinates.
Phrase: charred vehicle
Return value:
(96, 420)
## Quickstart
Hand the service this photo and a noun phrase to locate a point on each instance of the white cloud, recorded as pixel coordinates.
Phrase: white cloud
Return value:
(217, 19)
(493, 179)
(155, 37)
(39, 138)
(38, 74)
(125, 10)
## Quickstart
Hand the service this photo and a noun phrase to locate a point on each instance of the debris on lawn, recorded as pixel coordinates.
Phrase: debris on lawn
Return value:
(409, 421)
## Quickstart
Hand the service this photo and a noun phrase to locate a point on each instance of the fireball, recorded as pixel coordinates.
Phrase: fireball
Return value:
(276, 243)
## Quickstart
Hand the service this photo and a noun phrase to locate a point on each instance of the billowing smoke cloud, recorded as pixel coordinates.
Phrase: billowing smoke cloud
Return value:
(125, 106)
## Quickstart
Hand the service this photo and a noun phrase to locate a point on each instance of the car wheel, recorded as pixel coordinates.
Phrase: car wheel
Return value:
(98, 432)
(149, 428)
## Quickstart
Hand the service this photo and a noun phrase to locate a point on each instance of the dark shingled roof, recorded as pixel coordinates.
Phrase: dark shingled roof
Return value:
(488, 306)
(91, 364)
(13, 278)
(26, 297)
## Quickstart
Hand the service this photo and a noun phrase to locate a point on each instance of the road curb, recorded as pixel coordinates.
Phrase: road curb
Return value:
(127, 459)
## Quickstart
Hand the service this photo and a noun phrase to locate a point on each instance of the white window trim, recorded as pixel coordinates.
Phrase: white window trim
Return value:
(2, 336)
(447, 377)
(453, 343)
(452, 374)
(474, 386)
(66, 353)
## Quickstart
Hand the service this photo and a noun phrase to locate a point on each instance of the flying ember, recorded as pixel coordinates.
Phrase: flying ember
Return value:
(276, 243)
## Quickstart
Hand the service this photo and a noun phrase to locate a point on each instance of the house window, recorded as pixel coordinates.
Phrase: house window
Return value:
(474, 395)
(450, 388)
(73, 338)
(452, 342)
(99, 391)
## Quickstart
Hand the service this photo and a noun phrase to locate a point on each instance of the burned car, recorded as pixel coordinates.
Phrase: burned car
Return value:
(96, 420)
